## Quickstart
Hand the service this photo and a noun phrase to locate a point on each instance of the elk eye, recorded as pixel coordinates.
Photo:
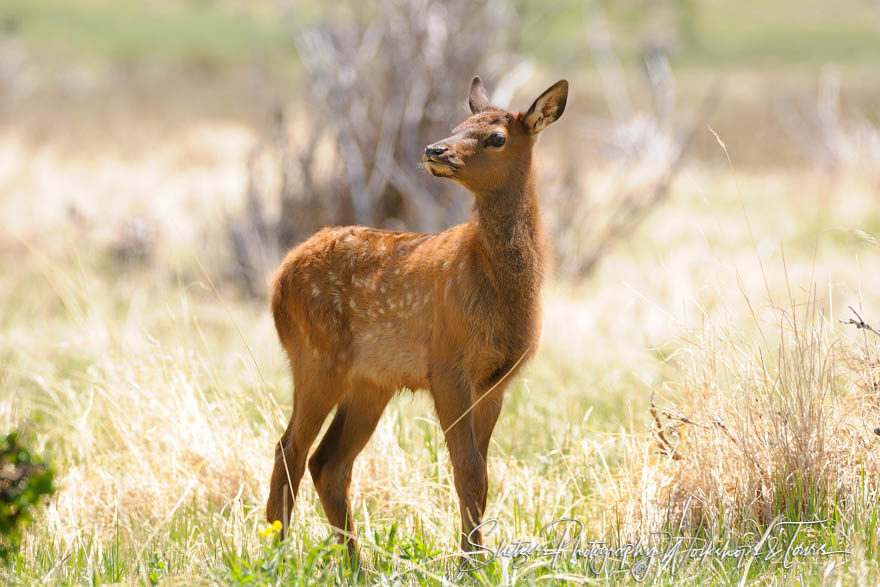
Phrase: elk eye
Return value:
(496, 140)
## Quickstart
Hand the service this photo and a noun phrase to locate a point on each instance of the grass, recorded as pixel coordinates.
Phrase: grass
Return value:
(130, 32)
(784, 33)
(726, 35)
(158, 403)
(715, 35)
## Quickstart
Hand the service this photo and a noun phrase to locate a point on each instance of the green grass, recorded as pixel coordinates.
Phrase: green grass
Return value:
(129, 31)
(715, 35)
(787, 33)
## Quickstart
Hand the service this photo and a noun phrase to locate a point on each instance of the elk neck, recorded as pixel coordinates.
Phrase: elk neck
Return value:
(508, 228)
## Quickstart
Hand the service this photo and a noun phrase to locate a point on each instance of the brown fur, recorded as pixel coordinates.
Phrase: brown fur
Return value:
(363, 312)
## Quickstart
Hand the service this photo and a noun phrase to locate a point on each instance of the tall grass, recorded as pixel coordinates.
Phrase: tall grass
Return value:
(158, 403)
(162, 432)
(763, 429)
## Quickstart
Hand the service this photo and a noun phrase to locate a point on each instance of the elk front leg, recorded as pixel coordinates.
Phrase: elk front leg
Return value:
(452, 399)
(485, 415)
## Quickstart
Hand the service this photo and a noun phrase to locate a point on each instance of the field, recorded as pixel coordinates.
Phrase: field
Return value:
(131, 358)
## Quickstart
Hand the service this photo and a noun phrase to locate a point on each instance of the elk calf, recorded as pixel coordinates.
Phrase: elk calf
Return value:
(363, 312)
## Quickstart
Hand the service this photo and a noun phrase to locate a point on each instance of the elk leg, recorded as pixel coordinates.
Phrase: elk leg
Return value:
(311, 404)
(355, 420)
(485, 416)
(452, 398)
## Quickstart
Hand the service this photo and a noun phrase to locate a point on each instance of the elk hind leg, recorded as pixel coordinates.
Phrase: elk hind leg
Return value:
(312, 402)
(331, 464)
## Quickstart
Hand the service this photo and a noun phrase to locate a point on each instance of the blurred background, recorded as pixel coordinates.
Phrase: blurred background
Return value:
(239, 128)
(179, 147)
(710, 151)
(712, 188)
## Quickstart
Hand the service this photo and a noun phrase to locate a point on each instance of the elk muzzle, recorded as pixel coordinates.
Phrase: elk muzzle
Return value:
(439, 160)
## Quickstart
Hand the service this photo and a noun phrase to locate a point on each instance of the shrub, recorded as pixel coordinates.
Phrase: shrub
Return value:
(24, 480)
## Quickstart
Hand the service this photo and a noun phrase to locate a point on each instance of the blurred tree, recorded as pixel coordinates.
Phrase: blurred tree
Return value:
(383, 80)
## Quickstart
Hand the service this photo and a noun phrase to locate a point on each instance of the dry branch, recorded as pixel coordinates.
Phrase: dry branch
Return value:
(858, 322)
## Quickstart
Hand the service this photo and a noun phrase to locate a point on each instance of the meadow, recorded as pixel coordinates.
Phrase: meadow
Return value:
(698, 384)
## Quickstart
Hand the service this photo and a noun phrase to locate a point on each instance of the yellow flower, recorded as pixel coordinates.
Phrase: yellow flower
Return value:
(272, 529)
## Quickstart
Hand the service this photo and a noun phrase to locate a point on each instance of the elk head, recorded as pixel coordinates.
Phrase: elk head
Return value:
(492, 143)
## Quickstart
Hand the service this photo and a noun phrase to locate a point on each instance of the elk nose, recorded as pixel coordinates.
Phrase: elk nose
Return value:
(435, 150)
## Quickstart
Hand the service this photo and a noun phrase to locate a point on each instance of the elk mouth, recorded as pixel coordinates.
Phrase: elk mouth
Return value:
(439, 167)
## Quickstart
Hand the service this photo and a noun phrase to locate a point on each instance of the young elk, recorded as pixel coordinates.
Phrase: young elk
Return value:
(364, 312)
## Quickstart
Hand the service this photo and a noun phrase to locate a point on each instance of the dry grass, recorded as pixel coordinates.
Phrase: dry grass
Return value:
(783, 426)
(159, 403)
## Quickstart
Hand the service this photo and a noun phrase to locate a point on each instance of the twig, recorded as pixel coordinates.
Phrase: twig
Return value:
(665, 446)
(676, 415)
(859, 323)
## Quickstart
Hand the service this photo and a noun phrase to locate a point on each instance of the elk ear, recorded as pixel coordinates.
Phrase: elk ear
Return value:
(477, 98)
(547, 108)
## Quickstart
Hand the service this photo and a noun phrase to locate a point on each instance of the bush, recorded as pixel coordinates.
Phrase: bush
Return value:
(24, 480)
